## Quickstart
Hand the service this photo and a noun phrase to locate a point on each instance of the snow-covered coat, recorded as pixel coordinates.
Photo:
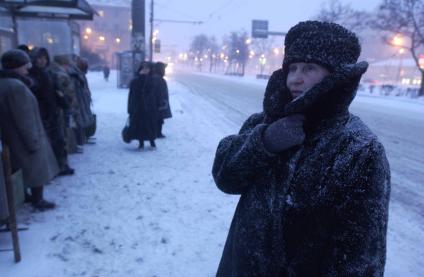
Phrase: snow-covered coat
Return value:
(83, 96)
(23, 131)
(318, 209)
(143, 108)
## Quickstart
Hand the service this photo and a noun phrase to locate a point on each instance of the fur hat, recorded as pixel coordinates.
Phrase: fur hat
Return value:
(14, 58)
(323, 43)
(63, 59)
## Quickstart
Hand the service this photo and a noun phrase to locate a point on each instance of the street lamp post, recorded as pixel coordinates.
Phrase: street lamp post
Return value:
(399, 80)
(398, 41)
(138, 33)
(151, 31)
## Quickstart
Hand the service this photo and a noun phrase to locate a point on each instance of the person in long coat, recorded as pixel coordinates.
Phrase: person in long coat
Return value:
(64, 86)
(161, 87)
(143, 107)
(23, 129)
(314, 180)
(52, 106)
(85, 115)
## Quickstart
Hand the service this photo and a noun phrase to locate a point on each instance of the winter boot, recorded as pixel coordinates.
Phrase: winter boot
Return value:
(38, 202)
(140, 144)
(152, 144)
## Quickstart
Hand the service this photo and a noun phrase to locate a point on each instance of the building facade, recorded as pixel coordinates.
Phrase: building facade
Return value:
(109, 33)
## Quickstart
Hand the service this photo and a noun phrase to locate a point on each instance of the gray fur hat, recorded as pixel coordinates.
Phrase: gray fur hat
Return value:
(323, 43)
(14, 58)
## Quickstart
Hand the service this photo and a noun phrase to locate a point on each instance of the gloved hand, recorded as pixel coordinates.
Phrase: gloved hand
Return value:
(284, 133)
(276, 95)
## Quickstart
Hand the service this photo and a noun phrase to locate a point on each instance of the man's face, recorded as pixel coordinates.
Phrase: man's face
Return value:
(23, 70)
(303, 76)
(41, 61)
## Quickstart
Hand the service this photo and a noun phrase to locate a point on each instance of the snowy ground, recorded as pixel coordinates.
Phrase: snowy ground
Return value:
(154, 212)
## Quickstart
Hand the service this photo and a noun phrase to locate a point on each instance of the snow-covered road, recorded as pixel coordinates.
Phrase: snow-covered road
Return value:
(156, 212)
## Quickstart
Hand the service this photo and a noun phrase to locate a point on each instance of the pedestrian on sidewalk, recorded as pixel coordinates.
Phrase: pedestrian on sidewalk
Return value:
(161, 87)
(106, 72)
(314, 180)
(143, 107)
(22, 128)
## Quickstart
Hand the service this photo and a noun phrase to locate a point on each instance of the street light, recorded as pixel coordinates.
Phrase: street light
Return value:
(397, 40)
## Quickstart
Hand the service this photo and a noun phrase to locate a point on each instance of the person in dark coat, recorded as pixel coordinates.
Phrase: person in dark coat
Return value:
(161, 88)
(143, 107)
(106, 72)
(22, 128)
(314, 180)
(52, 107)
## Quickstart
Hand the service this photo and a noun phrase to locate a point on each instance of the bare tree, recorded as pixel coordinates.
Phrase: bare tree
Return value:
(334, 11)
(198, 48)
(213, 53)
(404, 20)
(263, 46)
(237, 51)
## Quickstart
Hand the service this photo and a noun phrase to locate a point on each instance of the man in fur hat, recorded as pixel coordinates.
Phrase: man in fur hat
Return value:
(314, 180)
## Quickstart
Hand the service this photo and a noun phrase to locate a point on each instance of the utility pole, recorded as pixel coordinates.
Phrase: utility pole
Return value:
(152, 20)
(138, 33)
(151, 31)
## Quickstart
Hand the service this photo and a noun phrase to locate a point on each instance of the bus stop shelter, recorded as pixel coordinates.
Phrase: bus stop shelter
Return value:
(13, 32)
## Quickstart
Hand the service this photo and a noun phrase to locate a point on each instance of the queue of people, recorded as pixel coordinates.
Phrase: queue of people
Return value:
(45, 109)
(148, 104)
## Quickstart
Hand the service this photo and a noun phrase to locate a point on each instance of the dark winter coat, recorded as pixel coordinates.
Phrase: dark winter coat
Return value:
(43, 89)
(23, 131)
(52, 105)
(143, 108)
(161, 88)
(318, 209)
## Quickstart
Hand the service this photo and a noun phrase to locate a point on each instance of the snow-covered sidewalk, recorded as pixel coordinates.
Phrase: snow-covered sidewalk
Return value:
(132, 213)
(151, 212)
